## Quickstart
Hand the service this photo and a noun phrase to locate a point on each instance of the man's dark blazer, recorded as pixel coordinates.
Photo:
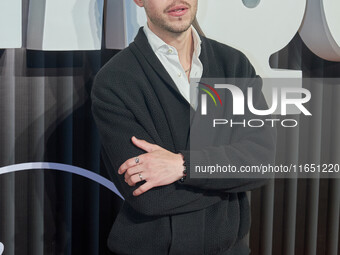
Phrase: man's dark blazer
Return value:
(133, 95)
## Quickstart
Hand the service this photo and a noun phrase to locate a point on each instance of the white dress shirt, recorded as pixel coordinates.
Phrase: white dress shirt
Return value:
(168, 56)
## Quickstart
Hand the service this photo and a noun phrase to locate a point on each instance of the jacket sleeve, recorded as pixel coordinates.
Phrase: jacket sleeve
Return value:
(248, 147)
(116, 125)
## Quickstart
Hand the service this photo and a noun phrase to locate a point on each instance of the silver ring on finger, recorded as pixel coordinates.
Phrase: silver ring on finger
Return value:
(140, 176)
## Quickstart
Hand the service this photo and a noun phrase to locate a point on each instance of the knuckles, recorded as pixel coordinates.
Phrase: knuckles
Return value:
(129, 172)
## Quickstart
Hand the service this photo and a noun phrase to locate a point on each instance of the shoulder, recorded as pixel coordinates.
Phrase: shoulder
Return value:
(121, 73)
(229, 57)
(118, 68)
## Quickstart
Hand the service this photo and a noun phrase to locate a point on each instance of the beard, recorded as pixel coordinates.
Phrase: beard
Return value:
(180, 27)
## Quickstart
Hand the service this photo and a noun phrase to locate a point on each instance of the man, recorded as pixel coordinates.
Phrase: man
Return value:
(142, 106)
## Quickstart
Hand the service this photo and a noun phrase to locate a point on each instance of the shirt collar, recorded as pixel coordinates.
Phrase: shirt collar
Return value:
(158, 45)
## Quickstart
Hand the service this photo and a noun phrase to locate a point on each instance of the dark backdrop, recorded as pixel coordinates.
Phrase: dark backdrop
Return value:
(45, 116)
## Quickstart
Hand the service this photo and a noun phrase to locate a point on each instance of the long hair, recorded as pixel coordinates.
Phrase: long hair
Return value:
(197, 27)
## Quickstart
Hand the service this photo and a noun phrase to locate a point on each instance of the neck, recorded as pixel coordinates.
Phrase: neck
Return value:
(183, 43)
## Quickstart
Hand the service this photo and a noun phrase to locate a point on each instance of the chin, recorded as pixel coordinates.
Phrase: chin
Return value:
(179, 31)
(180, 28)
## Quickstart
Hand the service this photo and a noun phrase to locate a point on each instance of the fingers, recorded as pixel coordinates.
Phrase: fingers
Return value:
(138, 177)
(133, 171)
(130, 163)
(133, 166)
(144, 188)
(133, 179)
(144, 145)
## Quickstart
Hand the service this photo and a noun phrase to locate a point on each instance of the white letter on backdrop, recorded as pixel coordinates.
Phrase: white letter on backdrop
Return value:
(259, 32)
(320, 29)
(65, 24)
(10, 24)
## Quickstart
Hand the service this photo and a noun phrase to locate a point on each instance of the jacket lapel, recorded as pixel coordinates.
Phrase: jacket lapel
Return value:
(141, 42)
(179, 113)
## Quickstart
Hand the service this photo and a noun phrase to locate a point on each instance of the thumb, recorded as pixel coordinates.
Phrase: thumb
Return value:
(144, 145)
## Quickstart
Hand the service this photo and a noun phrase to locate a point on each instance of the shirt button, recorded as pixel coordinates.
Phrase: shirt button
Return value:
(179, 74)
(170, 51)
